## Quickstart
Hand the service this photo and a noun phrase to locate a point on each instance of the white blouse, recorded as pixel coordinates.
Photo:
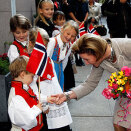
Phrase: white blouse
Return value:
(56, 32)
(13, 51)
(63, 50)
(59, 115)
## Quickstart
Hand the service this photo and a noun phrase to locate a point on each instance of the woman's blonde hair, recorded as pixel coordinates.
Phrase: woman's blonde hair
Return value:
(38, 11)
(33, 35)
(18, 66)
(71, 24)
(90, 44)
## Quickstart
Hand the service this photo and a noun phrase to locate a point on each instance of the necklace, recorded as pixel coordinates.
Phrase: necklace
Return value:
(113, 56)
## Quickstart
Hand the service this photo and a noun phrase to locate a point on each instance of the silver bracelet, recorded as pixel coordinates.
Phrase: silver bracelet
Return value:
(67, 95)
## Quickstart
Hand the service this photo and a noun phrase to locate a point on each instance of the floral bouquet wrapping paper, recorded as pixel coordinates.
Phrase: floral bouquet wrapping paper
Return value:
(119, 86)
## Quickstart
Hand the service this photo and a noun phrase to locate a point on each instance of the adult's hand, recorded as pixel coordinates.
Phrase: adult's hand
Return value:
(60, 98)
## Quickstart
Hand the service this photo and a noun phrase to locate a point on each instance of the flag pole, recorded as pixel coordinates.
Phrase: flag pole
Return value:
(81, 24)
(39, 97)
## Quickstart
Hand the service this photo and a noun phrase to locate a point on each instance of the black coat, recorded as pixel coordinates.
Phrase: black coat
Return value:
(49, 28)
(78, 8)
(118, 16)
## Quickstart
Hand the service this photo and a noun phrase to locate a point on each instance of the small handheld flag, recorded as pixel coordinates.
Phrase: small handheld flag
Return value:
(82, 30)
(39, 63)
(92, 30)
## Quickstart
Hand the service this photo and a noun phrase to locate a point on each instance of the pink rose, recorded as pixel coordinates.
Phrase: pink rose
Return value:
(126, 70)
(107, 93)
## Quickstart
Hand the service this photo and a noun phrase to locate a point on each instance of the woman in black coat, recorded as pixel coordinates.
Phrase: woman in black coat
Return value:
(118, 14)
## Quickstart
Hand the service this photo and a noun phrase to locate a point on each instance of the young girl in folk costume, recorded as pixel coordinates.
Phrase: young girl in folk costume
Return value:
(32, 40)
(58, 20)
(59, 48)
(23, 106)
(59, 117)
(45, 14)
(19, 26)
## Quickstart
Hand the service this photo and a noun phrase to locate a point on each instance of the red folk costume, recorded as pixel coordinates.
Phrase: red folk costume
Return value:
(30, 99)
(21, 49)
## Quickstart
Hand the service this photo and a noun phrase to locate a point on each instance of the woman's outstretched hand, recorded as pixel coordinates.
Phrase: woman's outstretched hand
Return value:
(60, 98)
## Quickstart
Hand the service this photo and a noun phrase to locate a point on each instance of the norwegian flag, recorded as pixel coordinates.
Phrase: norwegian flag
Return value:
(92, 30)
(82, 30)
(39, 63)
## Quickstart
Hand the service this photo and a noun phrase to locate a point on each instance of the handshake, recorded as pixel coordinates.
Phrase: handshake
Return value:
(56, 99)
(59, 98)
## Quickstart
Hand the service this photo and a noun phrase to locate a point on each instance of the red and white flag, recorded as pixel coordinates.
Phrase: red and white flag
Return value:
(39, 63)
(92, 30)
(82, 30)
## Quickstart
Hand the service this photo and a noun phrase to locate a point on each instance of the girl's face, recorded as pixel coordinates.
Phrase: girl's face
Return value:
(21, 34)
(68, 35)
(47, 10)
(59, 22)
(31, 45)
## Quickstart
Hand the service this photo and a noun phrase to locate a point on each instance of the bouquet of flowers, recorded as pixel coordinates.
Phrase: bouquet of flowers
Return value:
(119, 84)
(4, 64)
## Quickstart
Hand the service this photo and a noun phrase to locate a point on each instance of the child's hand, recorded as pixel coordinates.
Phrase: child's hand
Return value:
(60, 98)
(51, 99)
(45, 107)
(39, 105)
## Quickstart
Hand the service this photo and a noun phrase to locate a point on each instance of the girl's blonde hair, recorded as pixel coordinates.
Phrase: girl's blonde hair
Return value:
(18, 66)
(38, 11)
(71, 24)
(33, 35)
(20, 21)
(90, 44)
